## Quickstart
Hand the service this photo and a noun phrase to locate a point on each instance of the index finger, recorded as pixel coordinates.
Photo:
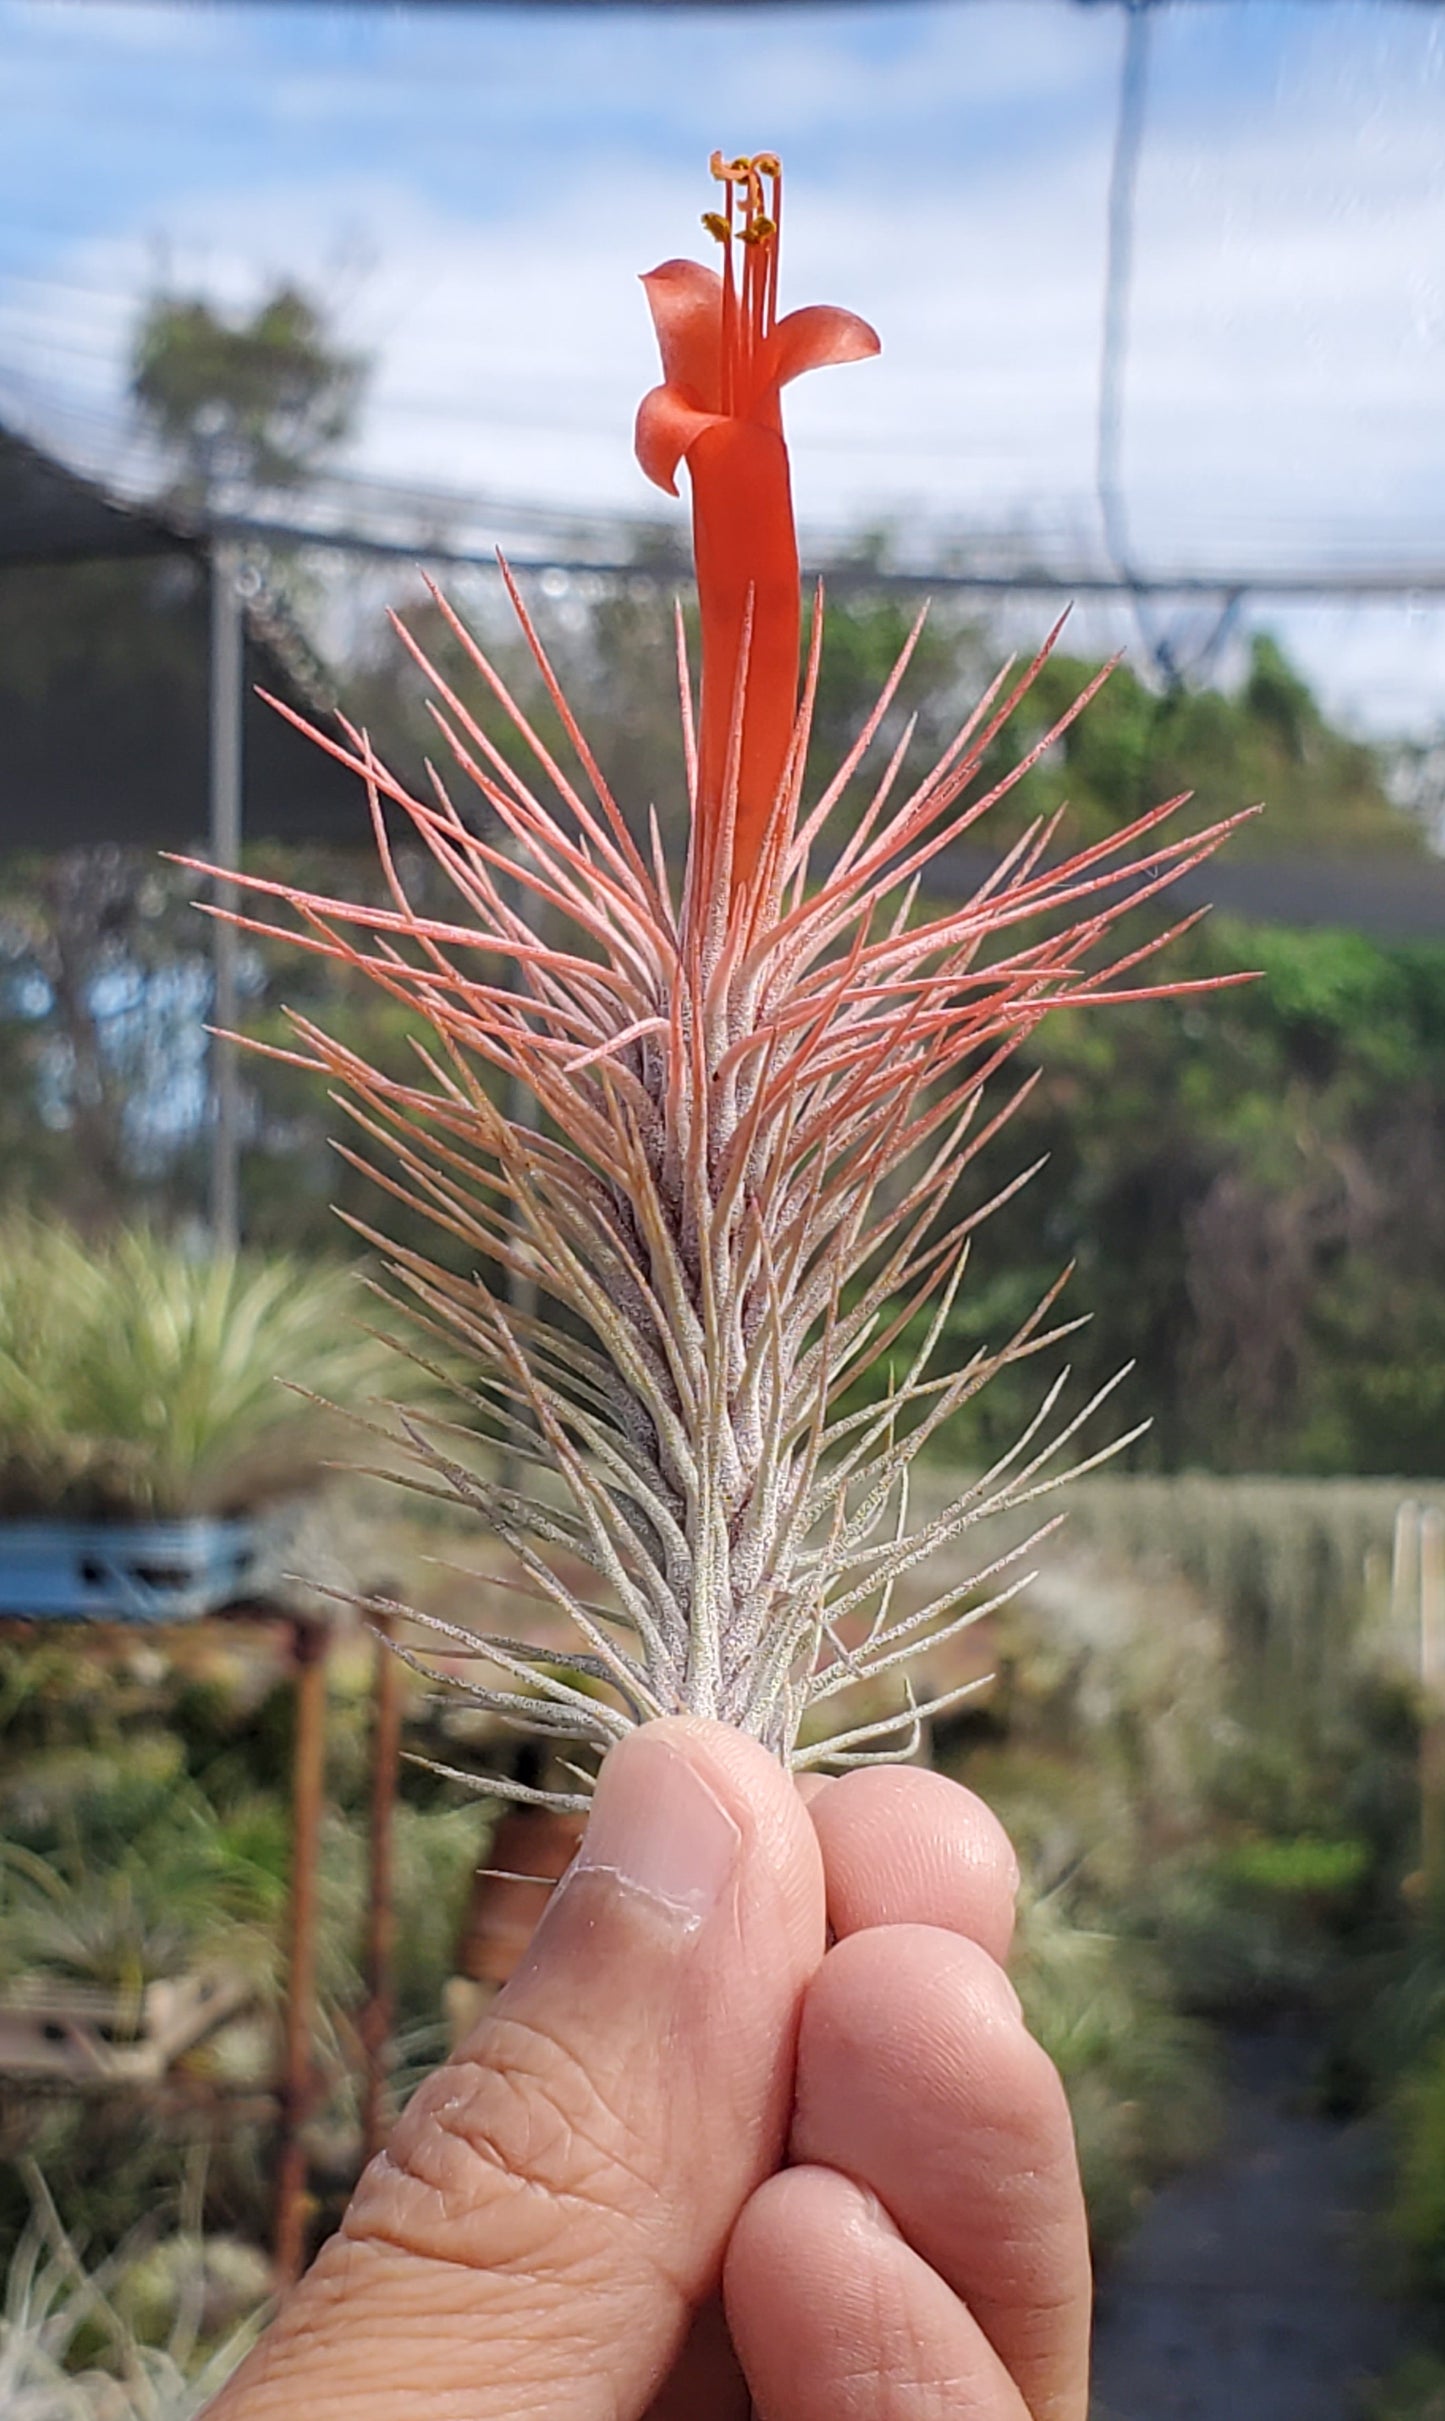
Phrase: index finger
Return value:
(904, 1846)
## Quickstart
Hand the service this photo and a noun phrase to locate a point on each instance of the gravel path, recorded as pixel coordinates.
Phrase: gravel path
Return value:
(1244, 2296)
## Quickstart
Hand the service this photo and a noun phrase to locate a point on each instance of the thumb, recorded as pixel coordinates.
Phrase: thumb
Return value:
(556, 2201)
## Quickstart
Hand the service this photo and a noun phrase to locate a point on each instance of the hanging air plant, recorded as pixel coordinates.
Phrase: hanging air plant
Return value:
(761, 1093)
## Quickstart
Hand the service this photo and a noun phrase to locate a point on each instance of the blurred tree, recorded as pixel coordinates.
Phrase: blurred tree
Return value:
(259, 399)
(103, 962)
(1253, 1185)
(614, 649)
(1252, 1188)
(1268, 741)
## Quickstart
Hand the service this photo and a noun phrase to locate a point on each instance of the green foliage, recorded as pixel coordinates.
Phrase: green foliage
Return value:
(1249, 1184)
(148, 2333)
(117, 1870)
(136, 1846)
(1250, 1187)
(137, 1380)
(1419, 2207)
(1138, 2074)
(1255, 1926)
(1268, 742)
(1414, 2391)
(258, 397)
(1213, 1789)
(1302, 1868)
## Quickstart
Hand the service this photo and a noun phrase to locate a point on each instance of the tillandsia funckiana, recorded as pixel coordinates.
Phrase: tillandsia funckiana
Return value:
(760, 1096)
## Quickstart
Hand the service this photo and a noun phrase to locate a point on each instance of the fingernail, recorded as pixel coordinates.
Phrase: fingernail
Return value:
(658, 1829)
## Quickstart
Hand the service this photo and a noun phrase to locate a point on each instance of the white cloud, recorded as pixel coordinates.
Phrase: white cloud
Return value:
(508, 181)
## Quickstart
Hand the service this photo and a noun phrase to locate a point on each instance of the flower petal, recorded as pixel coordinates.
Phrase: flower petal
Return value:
(685, 300)
(812, 339)
(667, 424)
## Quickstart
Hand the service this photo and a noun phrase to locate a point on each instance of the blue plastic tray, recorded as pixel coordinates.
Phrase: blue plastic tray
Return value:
(150, 1572)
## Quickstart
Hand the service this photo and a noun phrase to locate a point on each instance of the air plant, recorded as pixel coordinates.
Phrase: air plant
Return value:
(139, 1383)
(760, 1098)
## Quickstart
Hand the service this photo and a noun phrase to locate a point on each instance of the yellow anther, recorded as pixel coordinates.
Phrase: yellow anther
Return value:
(767, 164)
(759, 229)
(717, 225)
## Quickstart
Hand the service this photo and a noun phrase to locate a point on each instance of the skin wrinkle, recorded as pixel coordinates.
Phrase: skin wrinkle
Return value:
(525, 2122)
(435, 2282)
(644, 2110)
(907, 2350)
(850, 2323)
(940, 2397)
(777, 1893)
(901, 2342)
(509, 2320)
(547, 2186)
(520, 2326)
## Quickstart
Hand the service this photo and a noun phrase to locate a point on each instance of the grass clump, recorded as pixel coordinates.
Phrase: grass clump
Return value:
(137, 1846)
(140, 1382)
(1138, 2073)
(149, 2333)
(1419, 2202)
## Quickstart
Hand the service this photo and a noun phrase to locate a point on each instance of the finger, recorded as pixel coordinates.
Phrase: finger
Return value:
(836, 2318)
(556, 2201)
(706, 2381)
(902, 1846)
(918, 2078)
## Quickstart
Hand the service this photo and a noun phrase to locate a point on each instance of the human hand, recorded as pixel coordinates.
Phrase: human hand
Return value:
(584, 2216)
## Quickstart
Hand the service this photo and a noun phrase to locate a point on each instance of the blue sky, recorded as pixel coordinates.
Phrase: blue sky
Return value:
(475, 189)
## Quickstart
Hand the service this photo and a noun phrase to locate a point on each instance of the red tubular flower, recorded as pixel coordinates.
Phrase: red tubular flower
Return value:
(725, 358)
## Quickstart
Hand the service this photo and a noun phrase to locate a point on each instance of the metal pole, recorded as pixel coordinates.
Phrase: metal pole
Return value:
(1430, 1571)
(1118, 277)
(308, 1648)
(1114, 341)
(227, 671)
(1430, 1555)
(379, 2008)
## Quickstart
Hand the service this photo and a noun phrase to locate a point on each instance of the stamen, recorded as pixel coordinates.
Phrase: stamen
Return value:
(730, 300)
(749, 309)
(773, 170)
(749, 305)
